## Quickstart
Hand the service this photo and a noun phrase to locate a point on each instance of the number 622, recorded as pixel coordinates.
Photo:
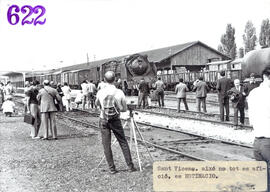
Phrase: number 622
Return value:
(26, 9)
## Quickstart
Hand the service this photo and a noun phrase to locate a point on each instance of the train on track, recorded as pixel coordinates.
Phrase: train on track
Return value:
(130, 69)
(253, 62)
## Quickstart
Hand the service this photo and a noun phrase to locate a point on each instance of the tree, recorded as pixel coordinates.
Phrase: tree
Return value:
(249, 37)
(220, 49)
(241, 52)
(228, 46)
(265, 33)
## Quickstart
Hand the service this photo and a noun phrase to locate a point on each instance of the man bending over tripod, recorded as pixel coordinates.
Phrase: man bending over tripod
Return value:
(111, 102)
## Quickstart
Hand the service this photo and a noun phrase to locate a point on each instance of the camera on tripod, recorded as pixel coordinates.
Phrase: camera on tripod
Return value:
(131, 106)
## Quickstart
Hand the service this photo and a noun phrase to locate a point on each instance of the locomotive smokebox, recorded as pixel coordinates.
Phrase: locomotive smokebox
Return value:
(138, 67)
(255, 61)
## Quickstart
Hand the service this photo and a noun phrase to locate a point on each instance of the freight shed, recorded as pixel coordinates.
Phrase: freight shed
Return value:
(192, 56)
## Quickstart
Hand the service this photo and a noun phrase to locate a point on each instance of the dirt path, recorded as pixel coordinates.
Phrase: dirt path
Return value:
(66, 164)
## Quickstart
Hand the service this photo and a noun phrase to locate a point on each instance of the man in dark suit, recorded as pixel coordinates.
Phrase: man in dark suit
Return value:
(238, 96)
(46, 97)
(223, 85)
(201, 89)
(143, 94)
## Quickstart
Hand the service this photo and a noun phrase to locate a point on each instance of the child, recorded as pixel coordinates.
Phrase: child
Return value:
(78, 99)
(8, 107)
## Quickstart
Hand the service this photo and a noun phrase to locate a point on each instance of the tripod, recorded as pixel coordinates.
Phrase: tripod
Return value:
(133, 127)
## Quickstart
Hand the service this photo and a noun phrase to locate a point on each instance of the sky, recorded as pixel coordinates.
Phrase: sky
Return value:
(109, 28)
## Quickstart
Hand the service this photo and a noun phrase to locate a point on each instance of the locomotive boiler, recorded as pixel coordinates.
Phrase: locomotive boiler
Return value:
(255, 61)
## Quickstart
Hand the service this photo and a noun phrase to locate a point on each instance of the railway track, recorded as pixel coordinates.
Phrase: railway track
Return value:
(192, 100)
(215, 116)
(176, 144)
(192, 115)
(170, 143)
(94, 126)
(181, 131)
(212, 119)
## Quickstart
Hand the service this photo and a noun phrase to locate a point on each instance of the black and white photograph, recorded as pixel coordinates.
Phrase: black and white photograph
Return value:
(134, 95)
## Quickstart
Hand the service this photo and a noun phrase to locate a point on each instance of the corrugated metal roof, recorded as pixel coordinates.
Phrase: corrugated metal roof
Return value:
(158, 55)
(161, 54)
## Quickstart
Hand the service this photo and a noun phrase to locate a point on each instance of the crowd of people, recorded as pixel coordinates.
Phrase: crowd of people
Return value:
(43, 101)
(227, 91)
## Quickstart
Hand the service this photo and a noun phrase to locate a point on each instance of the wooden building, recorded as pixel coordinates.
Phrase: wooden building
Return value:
(192, 56)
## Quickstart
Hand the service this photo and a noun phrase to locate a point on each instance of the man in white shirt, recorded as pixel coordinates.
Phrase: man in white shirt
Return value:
(85, 92)
(101, 85)
(91, 95)
(259, 116)
(113, 124)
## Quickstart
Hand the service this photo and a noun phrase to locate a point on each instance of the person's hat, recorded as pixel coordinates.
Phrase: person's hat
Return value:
(252, 74)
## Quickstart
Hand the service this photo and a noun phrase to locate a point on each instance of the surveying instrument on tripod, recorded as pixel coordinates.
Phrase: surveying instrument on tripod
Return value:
(133, 128)
(132, 125)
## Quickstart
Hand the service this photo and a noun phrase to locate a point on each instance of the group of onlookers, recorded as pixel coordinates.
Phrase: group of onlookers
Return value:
(144, 92)
(227, 90)
(42, 102)
(201, 89)
(237, 94)
(87, 94)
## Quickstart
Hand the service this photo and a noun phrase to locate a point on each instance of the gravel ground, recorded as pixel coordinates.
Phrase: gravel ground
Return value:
(200, 128)
(66, 164)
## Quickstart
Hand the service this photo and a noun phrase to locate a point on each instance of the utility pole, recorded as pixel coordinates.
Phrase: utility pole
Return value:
(87, 59)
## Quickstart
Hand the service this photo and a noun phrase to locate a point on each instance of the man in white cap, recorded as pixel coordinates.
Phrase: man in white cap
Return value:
(46, 97)
(111, 102)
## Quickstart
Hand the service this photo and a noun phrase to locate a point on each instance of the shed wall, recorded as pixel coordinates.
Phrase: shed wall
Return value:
(196, 55)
